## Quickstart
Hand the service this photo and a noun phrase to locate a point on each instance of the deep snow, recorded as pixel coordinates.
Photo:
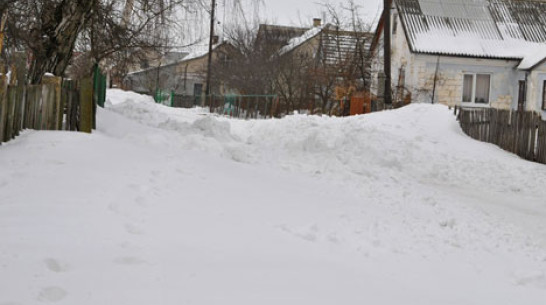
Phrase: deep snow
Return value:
(174, 206)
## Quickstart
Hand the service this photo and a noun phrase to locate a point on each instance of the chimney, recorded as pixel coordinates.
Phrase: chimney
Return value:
(317, 22)
(215, 39)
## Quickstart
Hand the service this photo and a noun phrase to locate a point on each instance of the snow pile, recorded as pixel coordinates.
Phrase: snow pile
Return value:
(177, 206)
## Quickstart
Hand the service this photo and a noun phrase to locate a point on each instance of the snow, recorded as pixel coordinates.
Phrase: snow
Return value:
(467, 28)
(297, 41)
(8, 76)
(177, 206)
(470, 44)
(533, 59)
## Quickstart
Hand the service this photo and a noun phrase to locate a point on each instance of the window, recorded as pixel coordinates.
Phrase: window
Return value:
(476, 88)
(197, 89)
(544, 95)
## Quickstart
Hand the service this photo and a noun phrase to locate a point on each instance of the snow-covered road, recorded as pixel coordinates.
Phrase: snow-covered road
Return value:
(173, 206)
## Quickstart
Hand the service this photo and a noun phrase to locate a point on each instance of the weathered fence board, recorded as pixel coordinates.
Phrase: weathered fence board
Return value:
(53, 105)
(522, 133)
(20, 110)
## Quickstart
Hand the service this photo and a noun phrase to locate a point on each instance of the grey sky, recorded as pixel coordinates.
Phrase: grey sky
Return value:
(296, 12)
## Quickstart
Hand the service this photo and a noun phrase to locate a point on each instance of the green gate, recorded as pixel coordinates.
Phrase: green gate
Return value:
(99, 86)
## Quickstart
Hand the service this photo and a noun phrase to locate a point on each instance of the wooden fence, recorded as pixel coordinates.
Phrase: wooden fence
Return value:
(53, 105)
(522, 133)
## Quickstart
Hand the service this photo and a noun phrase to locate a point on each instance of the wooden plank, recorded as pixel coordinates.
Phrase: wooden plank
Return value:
(75, 111)
(86, 105)
(33, 105)
(39, 108)
(52, 108)
(68, 102)
(19, 110)
(9, 134)
(3, 107)
(59, 104)
(28, 102)
(53, 102)
(44, 98)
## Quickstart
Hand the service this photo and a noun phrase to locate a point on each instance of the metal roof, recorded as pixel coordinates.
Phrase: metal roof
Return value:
(476, 28)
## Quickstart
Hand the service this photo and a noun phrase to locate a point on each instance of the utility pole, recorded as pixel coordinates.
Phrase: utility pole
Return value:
(209, 64)
(387, 52)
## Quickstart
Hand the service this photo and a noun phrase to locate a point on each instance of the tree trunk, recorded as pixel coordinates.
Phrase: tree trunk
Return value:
(53, 43)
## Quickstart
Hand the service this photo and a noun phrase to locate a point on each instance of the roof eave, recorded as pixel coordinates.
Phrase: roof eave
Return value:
(432, 53)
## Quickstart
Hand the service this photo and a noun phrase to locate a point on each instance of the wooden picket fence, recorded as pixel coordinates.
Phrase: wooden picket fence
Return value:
(522, 133)
(53, 105)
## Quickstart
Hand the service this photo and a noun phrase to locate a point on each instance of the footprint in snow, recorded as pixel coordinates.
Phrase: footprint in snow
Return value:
(52, 294)
(129, 260)
(55, 266)
(133, 229)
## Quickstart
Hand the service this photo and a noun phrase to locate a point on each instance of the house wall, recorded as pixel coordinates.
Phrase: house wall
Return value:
(403, 68)
(402, 59)
(449, 83)
(536, 80)
(420, 69)
(180, 77)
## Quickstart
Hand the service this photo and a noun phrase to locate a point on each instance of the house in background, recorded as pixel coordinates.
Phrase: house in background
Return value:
(272, 37)
(334, 62)
(480, 53)
(181, 75)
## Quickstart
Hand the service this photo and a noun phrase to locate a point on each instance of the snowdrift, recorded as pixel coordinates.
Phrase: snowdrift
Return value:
(176, 206)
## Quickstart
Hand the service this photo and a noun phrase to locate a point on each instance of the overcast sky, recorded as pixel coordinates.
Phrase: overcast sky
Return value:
(296, 12)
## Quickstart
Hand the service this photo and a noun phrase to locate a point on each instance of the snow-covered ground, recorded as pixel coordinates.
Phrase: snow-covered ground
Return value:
(173, 206)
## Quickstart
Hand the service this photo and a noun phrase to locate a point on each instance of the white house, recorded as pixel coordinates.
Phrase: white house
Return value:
(472, 53)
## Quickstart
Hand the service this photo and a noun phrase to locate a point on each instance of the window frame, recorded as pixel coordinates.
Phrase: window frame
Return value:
(473, 95)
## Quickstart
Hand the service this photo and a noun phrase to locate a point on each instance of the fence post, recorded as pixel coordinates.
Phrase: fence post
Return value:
(86, 105)
(54, 101)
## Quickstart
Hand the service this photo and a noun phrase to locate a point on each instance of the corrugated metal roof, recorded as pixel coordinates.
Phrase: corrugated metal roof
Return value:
(476, 28)
(339, 46)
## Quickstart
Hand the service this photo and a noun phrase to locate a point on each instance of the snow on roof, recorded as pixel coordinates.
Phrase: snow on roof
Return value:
(194, 51)
(200, 49)
(297, 41)
(479, 28)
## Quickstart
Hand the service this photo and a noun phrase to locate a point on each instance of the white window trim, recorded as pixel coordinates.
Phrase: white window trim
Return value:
(472, 103)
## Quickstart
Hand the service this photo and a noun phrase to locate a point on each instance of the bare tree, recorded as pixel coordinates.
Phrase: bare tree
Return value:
(51, 29)
(342, 64)
(247, 67)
